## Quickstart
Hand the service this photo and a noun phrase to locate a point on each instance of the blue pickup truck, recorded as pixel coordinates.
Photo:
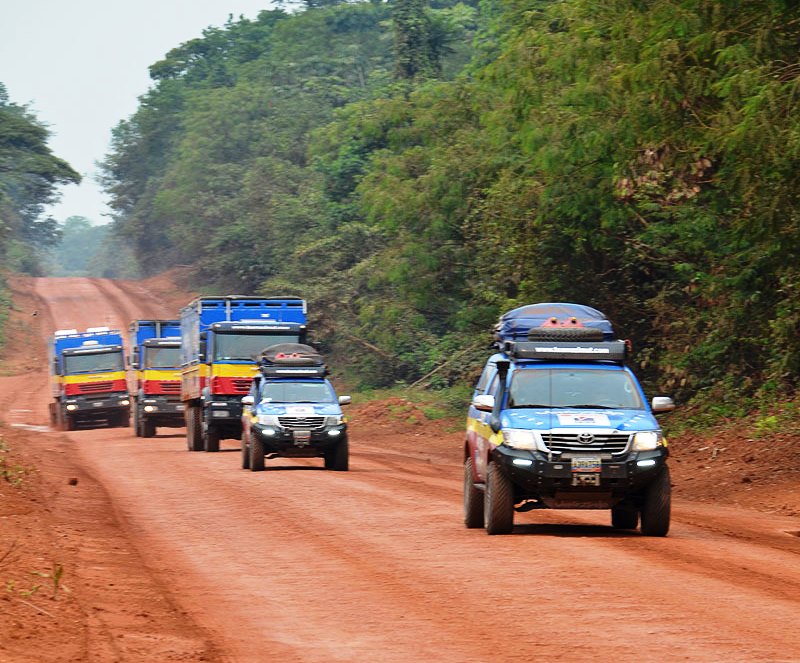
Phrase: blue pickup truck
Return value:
(558, 421)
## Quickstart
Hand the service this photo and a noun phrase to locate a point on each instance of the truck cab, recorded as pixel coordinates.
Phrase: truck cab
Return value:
(559, 421)
(155, 360)
(292, 411)
(88, 379)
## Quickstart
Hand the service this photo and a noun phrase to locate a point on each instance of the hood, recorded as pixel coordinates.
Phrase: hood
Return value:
(550, 418)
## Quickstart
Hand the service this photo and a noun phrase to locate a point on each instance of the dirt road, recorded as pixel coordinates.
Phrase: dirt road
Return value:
(174, 555)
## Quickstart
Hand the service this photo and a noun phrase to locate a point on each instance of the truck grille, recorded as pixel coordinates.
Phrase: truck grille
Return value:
(302, 423)
(241, 385)
(171, 387)
(615, 443)
(96, 386)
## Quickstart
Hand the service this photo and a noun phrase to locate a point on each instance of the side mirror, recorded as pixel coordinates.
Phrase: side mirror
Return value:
(662, 404)
(345, 400)
(248, 400)
(484, 403)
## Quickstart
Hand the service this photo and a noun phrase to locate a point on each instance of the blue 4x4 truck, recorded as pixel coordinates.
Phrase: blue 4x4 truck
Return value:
(558, 421)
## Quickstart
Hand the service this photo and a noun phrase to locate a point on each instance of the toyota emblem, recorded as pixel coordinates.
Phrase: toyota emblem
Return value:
(585, 438)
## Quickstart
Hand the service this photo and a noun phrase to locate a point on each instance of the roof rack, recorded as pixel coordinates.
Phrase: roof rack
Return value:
(615, 351)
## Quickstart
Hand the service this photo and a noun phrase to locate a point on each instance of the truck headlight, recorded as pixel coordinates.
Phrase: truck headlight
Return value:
(333, 420)
(71, 407)
(647, 440)
(267, 420)
(517, 438)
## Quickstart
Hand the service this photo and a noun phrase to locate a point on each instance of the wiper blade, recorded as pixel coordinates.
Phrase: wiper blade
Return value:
(591, 406)
(517, 406)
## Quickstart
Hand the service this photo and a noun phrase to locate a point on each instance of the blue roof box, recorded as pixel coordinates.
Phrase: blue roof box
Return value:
(560, 320)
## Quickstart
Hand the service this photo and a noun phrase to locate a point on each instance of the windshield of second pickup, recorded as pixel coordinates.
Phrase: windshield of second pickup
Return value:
(575, 388)
(246, 347)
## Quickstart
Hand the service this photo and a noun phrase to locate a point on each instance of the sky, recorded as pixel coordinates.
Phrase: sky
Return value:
(80, 66)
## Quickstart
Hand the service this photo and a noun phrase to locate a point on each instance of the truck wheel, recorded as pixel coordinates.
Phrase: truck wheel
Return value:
(137, 422)
(498, 516)
(148, 428)
(256, 453)
(338, 458)
(51, 408)
(211, 438)
(656, 507)
(245, 453)
(473, 499)
(194, 422)
(69, 422)
(624, 517)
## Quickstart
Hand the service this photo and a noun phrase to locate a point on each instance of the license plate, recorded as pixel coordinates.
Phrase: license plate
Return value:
(584, 464)
(304, 435)
(98, 404)
(585, 479)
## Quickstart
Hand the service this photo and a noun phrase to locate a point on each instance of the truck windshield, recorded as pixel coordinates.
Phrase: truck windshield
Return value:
(576, 388)
(246, 347)
(297, 392)
(93, 363)
(162, 357)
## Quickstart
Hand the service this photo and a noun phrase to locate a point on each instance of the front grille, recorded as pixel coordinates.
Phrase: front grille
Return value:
(170, 387)
(96, 386)
(616, 443)
(302, 423)
(241, 385)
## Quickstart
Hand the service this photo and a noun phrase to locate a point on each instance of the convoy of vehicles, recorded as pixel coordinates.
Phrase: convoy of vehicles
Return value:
(292, 411)
(557, 418)
(558, 421)
(155, 362)
(221, 337)
(87, 371)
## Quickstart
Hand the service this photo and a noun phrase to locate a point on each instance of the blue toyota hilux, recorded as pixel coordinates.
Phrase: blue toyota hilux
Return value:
(558, 421)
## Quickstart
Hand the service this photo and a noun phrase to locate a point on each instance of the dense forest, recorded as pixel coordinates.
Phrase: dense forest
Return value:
(415, 168)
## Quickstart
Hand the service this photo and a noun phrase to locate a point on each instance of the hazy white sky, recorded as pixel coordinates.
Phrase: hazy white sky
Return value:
(81, 65)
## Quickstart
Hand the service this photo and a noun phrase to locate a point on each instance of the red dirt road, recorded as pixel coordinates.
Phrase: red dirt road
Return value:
(172, 555)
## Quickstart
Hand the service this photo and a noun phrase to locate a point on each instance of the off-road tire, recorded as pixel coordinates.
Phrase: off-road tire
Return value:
(256, 453)
(473, 499)
(69, 422)
(211, 438)
(148, 428)
(498, 510)
(624, 517)
(338, 458)
(245, 453)
(655, 510)
(194, 431)
(137, 422)
(565, 334)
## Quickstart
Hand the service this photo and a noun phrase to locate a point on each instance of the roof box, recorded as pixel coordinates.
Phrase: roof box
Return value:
(553, 322)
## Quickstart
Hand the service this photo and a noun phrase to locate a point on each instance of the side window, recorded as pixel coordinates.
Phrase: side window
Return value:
(492, 385)
(488, 371)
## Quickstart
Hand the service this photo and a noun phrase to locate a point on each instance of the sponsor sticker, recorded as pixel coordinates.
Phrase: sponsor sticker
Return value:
(584, 419)
(299, 410)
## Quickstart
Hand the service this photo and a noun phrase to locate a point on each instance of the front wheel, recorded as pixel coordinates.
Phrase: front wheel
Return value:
(655, 511)
(211, 438)
(148, 428)
(256, 453)
(338, 458)
(498, 516)
(473, 499)
(624, 517)
(194, 423)
(245, 453)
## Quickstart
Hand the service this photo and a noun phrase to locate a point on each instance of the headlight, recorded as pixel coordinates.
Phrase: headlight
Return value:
(333, 420)
(267, 420)
(72, 407)
(150, 408)
(647, 440)
(124, 401)
(520, 439)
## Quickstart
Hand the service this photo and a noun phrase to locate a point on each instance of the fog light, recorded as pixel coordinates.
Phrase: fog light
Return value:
(72, 407)
(646, 463)
(522, 462)
(268, 432)
(334, 433)
(150, 408)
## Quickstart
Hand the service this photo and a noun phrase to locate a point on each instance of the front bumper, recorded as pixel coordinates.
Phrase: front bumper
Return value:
(98, 404)
(556, 485)
(162, 410)
(223, 409)
(299, 443)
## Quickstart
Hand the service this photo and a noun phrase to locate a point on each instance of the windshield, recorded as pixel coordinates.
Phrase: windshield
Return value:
(93, 363)
(162, 357)
(566, 387)
(297, 392)
(247, 347)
